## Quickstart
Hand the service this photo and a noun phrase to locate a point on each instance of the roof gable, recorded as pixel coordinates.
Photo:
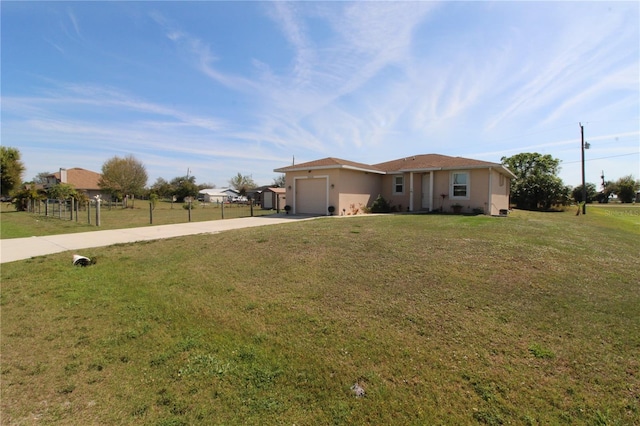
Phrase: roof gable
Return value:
(330, 163)
(81, 178)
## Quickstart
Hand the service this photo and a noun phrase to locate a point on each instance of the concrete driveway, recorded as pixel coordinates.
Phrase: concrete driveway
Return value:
(15, 249)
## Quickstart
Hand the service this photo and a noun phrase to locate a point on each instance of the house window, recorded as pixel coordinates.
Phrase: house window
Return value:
(460, 185)
(398, 184)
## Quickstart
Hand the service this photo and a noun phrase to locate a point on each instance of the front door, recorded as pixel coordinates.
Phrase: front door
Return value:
(426, 192)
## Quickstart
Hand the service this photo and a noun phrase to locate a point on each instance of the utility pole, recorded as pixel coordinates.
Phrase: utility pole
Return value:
(583, 145)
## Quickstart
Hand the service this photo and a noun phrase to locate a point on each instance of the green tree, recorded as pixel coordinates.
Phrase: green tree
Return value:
(242, 183)
(279, 182)
(537, 186)
(184, 186)
(592, 193)
(162, 188)
(61, 191)
(41, 177)
(23, 196)
(11, 170)
(626, 188)
(123, 176)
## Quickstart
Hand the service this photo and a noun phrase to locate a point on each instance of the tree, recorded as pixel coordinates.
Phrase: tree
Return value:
(626, 188)
(207, 185)
(22, 197)
(123, 176)
(184, 186)
(592, 193)
(537, 186)
(242, 183)
(42, 177)
(162, 188)
(279, 182)
(11, 170)
(61, 191)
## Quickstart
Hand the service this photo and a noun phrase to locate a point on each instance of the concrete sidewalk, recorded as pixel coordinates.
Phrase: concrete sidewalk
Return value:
(15, 249)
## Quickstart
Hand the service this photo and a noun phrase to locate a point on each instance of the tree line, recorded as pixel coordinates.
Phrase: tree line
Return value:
(537, 185)
(121, 178)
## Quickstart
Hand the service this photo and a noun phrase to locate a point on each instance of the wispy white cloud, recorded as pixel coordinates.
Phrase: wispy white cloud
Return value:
(74, 23)
(368, 81)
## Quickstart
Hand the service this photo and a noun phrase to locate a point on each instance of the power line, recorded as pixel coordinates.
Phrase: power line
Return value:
(601, 158)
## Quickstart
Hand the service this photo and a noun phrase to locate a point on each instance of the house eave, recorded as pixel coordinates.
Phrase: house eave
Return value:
(500, 168)
(328, 167)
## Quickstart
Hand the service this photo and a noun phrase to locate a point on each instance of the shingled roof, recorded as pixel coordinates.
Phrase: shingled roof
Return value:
(431, 162)
(81, 179)
(425, 162)
(330, 163)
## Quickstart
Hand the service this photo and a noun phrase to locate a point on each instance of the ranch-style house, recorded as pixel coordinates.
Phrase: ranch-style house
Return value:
(428, 182)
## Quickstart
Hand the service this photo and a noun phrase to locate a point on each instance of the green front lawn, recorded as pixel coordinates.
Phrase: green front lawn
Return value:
(531, 319)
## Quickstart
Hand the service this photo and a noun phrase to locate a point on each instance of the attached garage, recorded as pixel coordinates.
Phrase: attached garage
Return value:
(311, 195)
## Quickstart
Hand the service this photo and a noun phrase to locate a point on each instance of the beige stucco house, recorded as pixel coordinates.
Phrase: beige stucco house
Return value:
(419, 183)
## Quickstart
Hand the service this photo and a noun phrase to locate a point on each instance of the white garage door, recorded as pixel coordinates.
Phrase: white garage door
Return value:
(311, 196)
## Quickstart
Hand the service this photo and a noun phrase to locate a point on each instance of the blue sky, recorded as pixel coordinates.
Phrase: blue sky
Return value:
(225, 87)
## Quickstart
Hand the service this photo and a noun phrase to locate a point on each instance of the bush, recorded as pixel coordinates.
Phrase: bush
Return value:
(380, 205)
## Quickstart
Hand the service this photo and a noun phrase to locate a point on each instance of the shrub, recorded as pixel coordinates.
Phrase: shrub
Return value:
(380, 205)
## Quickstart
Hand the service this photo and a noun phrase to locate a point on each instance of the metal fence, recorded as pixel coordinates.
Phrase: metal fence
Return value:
(143, 212)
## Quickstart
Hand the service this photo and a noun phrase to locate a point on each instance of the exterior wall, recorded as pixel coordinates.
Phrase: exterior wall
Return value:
(477, 191)
(399, 201)
(355, 190)
(291, 179)
(500, 187)
(350, 187)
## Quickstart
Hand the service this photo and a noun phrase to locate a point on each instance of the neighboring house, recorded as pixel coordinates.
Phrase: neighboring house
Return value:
(217, 195)
(418, 183)
(82, 180)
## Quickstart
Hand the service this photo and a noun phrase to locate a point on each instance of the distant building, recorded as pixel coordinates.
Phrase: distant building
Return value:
(217, 195)
(82, 180)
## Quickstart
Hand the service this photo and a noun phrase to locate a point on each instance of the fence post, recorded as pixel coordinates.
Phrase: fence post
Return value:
(97, 210)
(222, 208)
(189, 209)
(89, 212)
(150, 213)
(77, 209)
(251, 207)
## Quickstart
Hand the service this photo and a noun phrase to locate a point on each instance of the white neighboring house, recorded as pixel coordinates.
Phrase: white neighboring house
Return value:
(217, 195)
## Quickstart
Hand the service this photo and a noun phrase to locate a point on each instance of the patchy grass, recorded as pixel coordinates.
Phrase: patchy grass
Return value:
(439, 319)
(15, 224)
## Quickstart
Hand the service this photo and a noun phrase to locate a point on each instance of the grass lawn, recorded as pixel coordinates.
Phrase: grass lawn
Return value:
(20, 224)
(531, 319)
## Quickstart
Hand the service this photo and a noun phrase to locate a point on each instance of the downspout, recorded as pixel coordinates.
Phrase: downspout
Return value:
(490, 206)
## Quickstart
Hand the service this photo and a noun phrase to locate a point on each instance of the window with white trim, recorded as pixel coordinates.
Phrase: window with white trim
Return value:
(459, 185)
(398, 184)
